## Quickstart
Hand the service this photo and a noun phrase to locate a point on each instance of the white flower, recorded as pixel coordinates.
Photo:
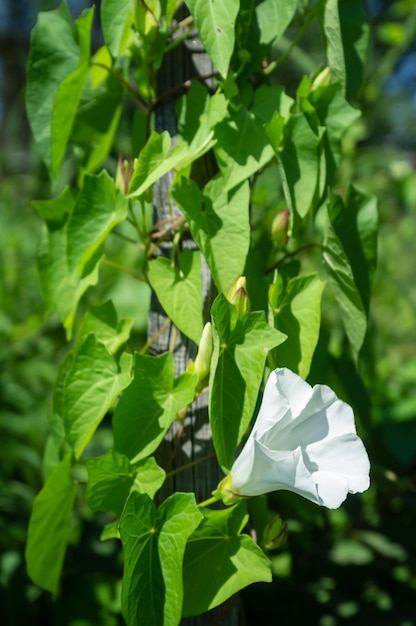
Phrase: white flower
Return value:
(304, 440)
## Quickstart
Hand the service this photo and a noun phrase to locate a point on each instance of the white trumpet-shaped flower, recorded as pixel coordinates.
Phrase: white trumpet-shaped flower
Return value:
(304, 440)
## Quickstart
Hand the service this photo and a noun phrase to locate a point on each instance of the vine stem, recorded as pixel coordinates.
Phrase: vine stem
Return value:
(274, 64)
(124, 82)
(154, 337)
(123, 269)
(210, 501)
(191, 464)
(289, 255)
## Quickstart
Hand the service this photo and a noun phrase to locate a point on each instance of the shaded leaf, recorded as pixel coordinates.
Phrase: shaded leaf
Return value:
(298, 151)
(347, 35)
(350, 256)
(61, 287)
(55, 55)
(97, 116)
(154, 543)
(219, 561)
(49, 527)
(297, 313)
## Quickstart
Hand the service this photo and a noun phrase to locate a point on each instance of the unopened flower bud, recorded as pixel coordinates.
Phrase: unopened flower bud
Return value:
(280, 229)
(202, 363)
(274, 533)
(123, 174)
(238, 296)
(322, 79)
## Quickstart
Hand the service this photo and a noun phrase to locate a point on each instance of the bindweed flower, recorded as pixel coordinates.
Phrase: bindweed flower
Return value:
(238, 296)
(304, 440)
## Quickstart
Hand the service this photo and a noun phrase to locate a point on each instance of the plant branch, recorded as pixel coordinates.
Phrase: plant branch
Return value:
(125, 83)
(289, 255)
(202, 459)
(123, 269)
(154, 337)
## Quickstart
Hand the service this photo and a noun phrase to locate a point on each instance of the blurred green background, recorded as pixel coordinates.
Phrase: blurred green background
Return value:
(355, 565)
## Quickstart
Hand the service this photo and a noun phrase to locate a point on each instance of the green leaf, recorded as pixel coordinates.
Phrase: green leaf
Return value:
(199, 113)
(92, 383)
(219, 561)
(219, 223)
(103, 323)
(98, 208)
(116, 19)
(298, 151)
(347, 35)
(242, 147)
(151, 163)
(49, 527)
(215, 22)
(68, 94)
(240, 350)
(149, 405)
(350, 257)
(179, 291)
(61, 287)
(54, 55)
(273, 19)
(260, 23)
(154, 543)
(297, 313)
(112, 477)
(98, 115)
(355, 223)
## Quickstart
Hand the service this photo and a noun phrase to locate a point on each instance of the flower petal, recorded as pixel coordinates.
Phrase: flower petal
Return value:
(260, 470)
(345, 460)
(304, 440)
(285, 396)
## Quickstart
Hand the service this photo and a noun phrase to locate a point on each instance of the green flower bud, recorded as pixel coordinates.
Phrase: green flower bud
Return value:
(238, 296)
(274, 533)
(202, 363)
(280, 229)
(123, 174)
(322, 79)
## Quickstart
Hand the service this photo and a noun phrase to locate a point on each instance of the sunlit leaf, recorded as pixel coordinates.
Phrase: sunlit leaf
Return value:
(92, 383)
(116, 19)
(112, 477)
(149, 405)
(240, 351)
(179, 290)
(215, 22)
(219, 223)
